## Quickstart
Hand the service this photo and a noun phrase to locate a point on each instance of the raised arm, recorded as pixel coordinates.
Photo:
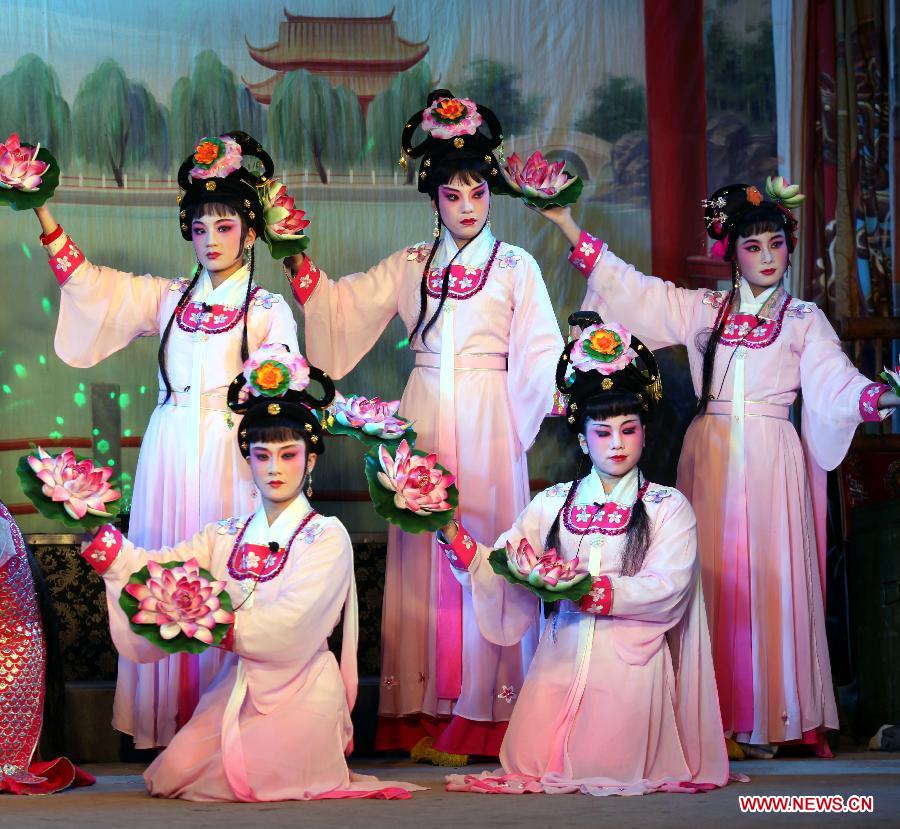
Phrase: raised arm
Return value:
(101, 310)
(655, 310)
(345, 317)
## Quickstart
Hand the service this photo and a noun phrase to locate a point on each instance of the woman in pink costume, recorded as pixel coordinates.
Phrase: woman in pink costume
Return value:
(189, 471)
(621, 695)
(275, 722)
(485, 338)
(756, 487)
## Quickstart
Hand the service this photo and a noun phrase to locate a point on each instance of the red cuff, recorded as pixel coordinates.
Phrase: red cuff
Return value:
(66, 262)
(461, 552)
(868, 402)
(102, 551)
(227, 642)
(600, 600)
(586, 252)
(50, 238)
(305, 281)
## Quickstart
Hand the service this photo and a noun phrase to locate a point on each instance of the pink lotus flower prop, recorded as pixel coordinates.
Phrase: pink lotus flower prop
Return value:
(605, 348)
(549, 571)
(449, 117)
(28, 175)
(373, 416)
(216, 157)
(410, 488)
(418, 483)
(179, 600)
(285, 223)
(539, 182)
(79, 486)
(271, 370)
(20, 168)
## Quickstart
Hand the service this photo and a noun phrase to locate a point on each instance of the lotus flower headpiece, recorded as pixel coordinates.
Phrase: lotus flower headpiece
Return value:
(453, 128)
(274, 382)
(216, 171)
(731, 207)
(605, 358)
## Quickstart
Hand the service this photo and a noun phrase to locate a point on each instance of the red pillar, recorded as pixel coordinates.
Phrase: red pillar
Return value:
(676, 118)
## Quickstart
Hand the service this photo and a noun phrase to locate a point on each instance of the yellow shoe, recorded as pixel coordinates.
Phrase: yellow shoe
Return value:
(735, 752)
(422, 752)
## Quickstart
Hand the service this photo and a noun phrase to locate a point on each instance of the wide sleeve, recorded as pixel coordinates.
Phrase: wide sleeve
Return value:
(312, 593)
(116, 559)
(344, 318)
(504, 611)
(657, 311)
(836, 397)
(101, 310)
(534, 348)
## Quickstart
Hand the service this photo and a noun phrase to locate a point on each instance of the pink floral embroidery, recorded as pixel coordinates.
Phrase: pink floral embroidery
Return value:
(714, 299)
(507, 693)
(868, 402)
(799, 310)
(586, 252)
(418, 253)
(389, 682)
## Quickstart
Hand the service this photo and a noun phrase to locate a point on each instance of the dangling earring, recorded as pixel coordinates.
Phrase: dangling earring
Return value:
(437, 225)
(489, 221)
(309, 487)
(738, 279)
(247, 254)
(253, 492)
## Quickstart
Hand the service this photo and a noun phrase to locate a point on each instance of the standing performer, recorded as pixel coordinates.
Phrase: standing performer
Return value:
(275, 723)
(751, 481)
(486, 340)
(621, 695)
(189, 471)
(24, 609)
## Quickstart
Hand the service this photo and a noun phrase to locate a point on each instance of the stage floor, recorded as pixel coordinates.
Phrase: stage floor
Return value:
(119, 800)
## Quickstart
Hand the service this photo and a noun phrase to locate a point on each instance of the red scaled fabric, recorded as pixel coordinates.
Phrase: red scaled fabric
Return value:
(676, 119)
(56, 775)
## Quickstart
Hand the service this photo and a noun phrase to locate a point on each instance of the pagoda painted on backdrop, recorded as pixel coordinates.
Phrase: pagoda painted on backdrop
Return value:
(362, 53)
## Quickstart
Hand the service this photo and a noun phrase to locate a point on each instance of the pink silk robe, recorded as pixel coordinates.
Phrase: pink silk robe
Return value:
(275, 722)
(620, 699)
(747, 475)
(190, 470)
(480, 419)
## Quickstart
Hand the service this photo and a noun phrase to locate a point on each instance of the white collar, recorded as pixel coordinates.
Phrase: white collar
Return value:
(259, 531)
(231, 292)
(474, 255)
(625, 491)
(753, 304)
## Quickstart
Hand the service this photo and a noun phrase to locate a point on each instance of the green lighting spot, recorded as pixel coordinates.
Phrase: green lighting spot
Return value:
(110, 462)
(6, 389)
(81, 387)
(59, 420)
(46, 306)
(19, 369)
(124, 400)
(143, 389)
(95, 431)
(55, 435)
(42, 360)
(112, 395)
(103, 446)
(26, 251)
(402, 344)
(127, 433)
(79, 398)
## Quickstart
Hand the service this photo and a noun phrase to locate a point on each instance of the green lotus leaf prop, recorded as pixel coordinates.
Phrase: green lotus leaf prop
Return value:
(69, 488)
(188, 579)
(367, 419)
(892, 378)
(27, 178)
(409, 488)
(500, 564)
